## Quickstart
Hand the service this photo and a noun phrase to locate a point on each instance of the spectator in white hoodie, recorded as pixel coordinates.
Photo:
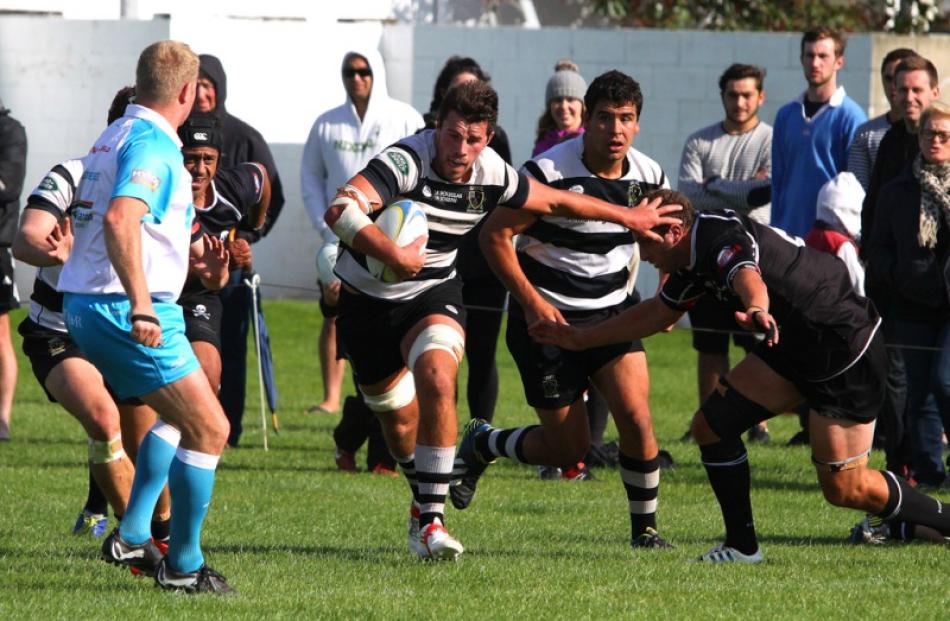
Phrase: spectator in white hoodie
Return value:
(341, 142)
(837, 229)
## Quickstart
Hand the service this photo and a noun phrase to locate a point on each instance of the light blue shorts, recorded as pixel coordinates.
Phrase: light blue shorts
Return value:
(100, 325)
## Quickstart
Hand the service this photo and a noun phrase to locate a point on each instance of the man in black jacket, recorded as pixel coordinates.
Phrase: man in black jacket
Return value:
(12, 171)
(915, 84)
(241, 143)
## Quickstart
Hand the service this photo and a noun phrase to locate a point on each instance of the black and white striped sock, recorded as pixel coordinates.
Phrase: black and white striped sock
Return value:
(641, 481)
(433, 472)
(504, 443)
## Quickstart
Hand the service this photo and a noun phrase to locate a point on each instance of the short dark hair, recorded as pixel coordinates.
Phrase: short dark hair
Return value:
(454, 66)
(687, 215)
(900, 53)
(473, 101)
(615, 87)
(918, 63)
(823, 32)
(122, 98)
(738, 71)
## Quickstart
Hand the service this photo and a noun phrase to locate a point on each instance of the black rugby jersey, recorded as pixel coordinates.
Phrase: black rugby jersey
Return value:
(404, 170)
(235, 191)
(820, 316)
(584, 264)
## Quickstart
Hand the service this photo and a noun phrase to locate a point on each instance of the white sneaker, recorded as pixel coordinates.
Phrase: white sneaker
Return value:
(439, 544)
(725, 554)
(415, 541)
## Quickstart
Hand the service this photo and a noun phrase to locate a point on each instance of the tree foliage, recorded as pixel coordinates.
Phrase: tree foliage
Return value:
(769, 15)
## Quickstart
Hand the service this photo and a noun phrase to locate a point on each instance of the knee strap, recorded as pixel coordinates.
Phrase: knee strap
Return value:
(396, 397)
(727, 452)
(105, 451)
(729, 413)
(437, 336)
(851, 463)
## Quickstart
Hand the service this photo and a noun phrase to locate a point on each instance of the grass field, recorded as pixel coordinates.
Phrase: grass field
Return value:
(300, 540)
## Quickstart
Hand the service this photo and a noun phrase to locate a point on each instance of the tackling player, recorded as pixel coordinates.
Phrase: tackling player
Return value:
(828, 355)
(406, 339)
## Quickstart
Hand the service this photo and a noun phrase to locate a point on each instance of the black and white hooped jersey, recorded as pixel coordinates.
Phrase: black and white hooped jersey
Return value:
(404, 170)
(575, 264)
(810, 292)
(54, 194)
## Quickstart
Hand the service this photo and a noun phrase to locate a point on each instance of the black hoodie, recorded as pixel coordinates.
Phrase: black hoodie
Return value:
(243, 143)
(12, 171)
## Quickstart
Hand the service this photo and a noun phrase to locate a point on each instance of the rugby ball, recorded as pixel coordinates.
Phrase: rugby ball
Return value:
(326, 261)
(403, 222)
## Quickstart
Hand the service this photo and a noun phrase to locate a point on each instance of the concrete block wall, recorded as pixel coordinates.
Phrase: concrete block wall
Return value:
(677, 71)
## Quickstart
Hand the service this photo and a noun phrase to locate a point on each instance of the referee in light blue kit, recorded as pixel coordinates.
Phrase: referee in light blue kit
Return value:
(133, 223)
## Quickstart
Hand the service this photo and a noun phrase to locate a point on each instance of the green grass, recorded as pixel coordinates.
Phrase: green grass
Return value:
(298, 539)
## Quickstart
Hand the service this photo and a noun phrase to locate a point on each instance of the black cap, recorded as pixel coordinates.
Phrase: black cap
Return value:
(201, 129)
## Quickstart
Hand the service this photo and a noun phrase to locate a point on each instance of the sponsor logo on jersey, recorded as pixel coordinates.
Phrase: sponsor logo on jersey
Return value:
(427, 191)
(726, 254)
(90, 175)
(100, 149)
(577, 189)
(447, 196)
(634, 193)
(476, 200)
(144, 177)
(49, 184)
(399, 161)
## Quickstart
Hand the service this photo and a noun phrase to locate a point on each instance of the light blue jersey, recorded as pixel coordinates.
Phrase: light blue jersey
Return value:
(138, 156)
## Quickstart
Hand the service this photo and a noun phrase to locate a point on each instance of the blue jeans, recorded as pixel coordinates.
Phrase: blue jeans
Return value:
(928, 392)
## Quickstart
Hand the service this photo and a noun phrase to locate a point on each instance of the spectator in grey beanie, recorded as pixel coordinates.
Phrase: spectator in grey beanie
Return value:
(563, 108)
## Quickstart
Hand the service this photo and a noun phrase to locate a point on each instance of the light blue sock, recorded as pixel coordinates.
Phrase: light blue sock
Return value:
(151, 471)
(191, 480)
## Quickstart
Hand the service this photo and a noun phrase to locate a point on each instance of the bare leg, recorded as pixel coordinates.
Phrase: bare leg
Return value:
(331, 369)
(79, 388)
(8, 375)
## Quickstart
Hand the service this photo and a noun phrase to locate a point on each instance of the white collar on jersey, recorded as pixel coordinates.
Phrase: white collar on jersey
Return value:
(141, 112)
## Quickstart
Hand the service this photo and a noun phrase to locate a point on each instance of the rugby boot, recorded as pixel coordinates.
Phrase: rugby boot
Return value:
(462, 491)
(205, 580)
(144, 556)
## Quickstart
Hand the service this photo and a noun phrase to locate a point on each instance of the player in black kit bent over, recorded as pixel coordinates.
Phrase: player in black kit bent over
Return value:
(821, 348)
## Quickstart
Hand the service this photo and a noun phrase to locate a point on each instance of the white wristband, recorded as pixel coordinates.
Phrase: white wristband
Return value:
(352, 220)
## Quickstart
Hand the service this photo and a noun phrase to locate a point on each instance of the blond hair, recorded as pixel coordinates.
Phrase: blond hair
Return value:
(937, 108)
(163, 69)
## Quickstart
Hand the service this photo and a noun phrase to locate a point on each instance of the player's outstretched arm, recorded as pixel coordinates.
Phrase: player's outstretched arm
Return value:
(41, 241)
(546, 201)
(750, 287)
(122, 229)
(496, 240)
(637, 322)
(348, 216)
